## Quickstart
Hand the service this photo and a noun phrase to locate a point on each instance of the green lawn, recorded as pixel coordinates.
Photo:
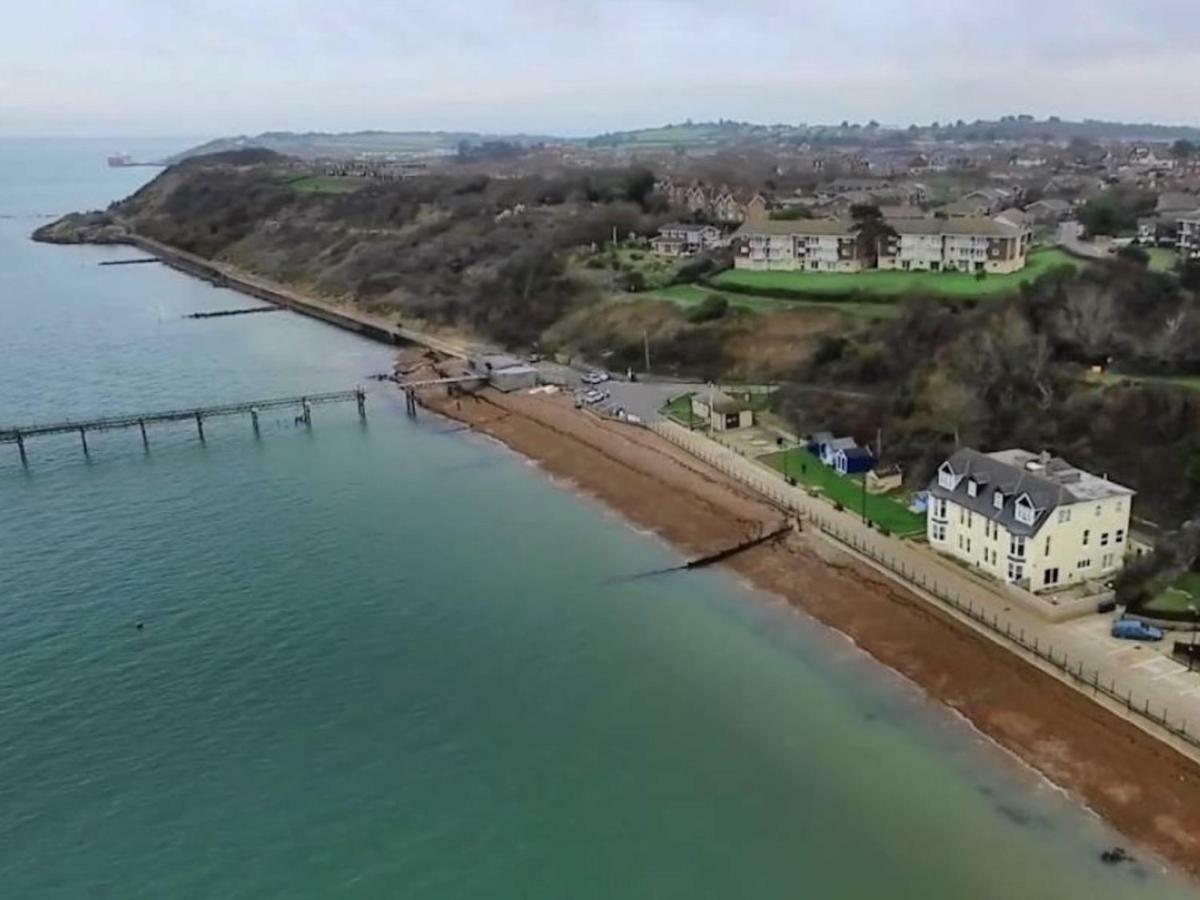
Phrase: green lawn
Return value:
(692, 294)
(1191, 382)
(1162, 259)
(680, 409)
(884, 510)
(328, 184)
(890, 284)
(1178, 597)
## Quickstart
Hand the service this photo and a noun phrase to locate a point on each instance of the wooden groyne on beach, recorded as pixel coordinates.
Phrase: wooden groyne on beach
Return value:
(729, 552)
(221, 313)
(140, 261)
(303, 404)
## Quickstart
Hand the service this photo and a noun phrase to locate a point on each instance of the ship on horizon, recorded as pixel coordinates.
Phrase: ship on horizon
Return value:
(124, 160)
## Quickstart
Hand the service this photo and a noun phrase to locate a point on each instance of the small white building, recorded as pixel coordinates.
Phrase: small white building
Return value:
(681, 239)
(1029, 519)
(722, 412)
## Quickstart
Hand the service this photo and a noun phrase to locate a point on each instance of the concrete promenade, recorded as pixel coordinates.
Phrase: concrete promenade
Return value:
(1138, 682)
(343, 316)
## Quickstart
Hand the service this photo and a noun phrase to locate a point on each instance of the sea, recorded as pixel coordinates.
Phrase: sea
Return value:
(391, 659)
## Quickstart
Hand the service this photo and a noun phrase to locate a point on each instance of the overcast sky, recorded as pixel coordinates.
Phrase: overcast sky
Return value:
(216, 67)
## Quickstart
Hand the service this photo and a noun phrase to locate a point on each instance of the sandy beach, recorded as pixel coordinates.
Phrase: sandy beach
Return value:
(1143, 788)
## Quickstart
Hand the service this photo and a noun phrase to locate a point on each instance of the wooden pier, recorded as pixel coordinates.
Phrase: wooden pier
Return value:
(303, 404)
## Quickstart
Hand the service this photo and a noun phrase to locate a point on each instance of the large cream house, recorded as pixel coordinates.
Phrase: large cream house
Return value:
(965, 244)
(1028, 519)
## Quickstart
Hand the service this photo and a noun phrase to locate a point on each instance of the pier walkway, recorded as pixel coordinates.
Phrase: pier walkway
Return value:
(303, 404)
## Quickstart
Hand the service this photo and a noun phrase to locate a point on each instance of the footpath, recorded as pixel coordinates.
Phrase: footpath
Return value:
(1151, 691)
(343, 316)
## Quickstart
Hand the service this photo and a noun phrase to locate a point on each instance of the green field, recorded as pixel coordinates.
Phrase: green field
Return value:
(1178, 597)
(328, 184)
(680, 409)
(883, 510)
(1162, 259)
(693, 294)
(891, 284)
(1191, 382)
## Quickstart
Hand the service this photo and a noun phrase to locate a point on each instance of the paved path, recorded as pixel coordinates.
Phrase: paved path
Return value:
(1141, 672)
(1070, 238)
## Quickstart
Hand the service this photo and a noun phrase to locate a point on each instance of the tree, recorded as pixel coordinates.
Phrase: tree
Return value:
(711, 308)
(1182, 149)
(870, 230)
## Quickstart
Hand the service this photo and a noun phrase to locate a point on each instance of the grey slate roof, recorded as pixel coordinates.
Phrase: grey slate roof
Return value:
(1056, 483)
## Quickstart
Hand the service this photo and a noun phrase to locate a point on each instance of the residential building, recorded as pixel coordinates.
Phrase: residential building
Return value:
(921, 245)
(1048, 211)
(956, 245)
(681, 239)
(1188, 239)
(829, 449)
(816, 245)
(1028, 519)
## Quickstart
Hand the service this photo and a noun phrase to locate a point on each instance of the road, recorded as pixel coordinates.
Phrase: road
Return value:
(1070, 238)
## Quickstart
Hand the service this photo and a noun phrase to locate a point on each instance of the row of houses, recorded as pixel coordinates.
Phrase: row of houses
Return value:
(719, 204)
(996, 245)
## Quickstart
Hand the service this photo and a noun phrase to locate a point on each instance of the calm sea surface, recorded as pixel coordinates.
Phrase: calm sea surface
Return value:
(387, 661)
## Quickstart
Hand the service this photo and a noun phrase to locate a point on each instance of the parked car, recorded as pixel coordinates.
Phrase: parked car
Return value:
(594, 396)
(1133, 630)
(595, 378)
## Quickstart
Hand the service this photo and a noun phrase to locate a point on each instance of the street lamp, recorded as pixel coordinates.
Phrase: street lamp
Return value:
(1195, 624)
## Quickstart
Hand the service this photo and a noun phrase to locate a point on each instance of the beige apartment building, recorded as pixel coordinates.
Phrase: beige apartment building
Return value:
(1028, 519)
(921, 245)
(956, 245)
(813, 245)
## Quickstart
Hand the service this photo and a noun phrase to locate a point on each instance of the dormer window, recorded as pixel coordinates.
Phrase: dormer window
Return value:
(1024, 510)
(946, 477)
(972, 487)
(998, 499)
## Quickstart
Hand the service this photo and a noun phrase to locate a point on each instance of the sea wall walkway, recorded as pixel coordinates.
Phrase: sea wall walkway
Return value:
(341, 315)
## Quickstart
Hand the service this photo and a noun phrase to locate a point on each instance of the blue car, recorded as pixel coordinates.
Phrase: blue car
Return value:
(1133, 630)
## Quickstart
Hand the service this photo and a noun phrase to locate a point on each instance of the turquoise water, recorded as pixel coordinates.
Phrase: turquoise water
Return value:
(387, 660)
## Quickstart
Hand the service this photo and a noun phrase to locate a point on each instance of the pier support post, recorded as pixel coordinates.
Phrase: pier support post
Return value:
(307, 413)
(145, 441)
(410, 402)
(361, 397)
(21, 449)
(200, 426)
(83, 440)
(254, 418)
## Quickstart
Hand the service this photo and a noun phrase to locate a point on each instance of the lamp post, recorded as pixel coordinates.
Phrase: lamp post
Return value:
(1195, 624)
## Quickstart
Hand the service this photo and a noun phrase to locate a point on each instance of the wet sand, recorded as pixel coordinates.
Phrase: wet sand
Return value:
(1145, 789)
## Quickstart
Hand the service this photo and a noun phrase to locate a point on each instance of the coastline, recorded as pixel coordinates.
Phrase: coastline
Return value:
(1143, 788)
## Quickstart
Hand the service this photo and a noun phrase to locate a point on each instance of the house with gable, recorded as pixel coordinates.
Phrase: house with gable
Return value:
(1028, 519)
